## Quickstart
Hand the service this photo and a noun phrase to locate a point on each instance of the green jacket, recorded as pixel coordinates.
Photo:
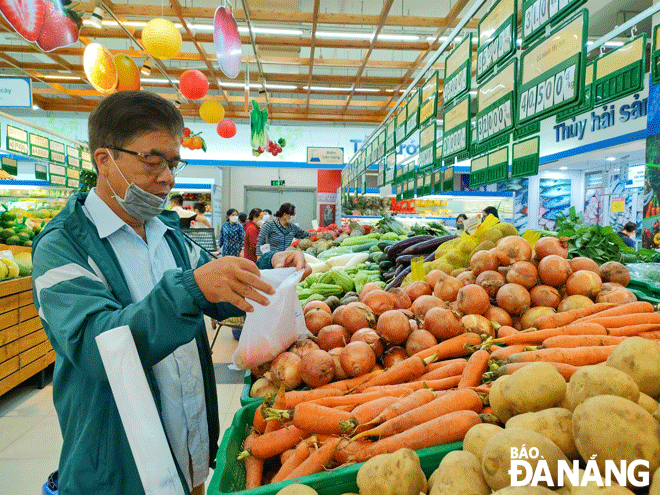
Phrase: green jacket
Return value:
(81, 292)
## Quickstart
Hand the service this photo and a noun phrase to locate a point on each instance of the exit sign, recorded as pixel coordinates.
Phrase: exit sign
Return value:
(276, 182)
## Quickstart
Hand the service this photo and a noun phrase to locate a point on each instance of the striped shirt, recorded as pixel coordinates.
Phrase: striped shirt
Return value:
(277, 236)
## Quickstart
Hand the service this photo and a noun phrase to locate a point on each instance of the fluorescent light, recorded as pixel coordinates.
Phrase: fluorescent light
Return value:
(563, 168)
(344, 34)
(158, 81)
(280, 86)
(398, 37)
(232, 85)
(368, 90)
(326, 88)
(89, 22)
(611, 44)
(69, 78)
(146, 67)
(441, 38)
(259, 30)
(610, 158)
(473, 93)
(35, 107)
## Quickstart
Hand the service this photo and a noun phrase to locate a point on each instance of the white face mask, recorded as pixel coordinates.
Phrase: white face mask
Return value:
(260, 223)
(233, 218)
(292, 219)
(266, 217)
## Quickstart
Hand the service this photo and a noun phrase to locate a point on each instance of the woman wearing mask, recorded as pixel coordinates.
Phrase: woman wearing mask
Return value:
(252, 227)
(459, 221)
(201, 222)
(277, 234)
(231, 235)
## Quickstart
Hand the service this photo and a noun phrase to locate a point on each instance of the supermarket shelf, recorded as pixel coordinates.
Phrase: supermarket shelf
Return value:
(468, 194)
(371, 190)
(11, 184)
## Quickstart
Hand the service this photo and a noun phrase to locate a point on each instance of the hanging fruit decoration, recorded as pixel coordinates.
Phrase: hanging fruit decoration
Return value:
(258, 128)
(211, 111)
(161, 39)
(193, 84)
(100, 68)
(227, 42)
(226, 128)
(128, 74)
(192, 141)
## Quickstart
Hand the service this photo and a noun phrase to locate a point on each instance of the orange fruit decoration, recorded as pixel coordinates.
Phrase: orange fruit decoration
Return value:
(196, 143)
(161, 39)
(100, 68)
(211, 111)
(193, 84)
(127, 72)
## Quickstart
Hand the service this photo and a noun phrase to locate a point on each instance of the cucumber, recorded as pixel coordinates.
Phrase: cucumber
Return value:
(381, 257)
(364, 248)
(383, 244)
(385, 265)
(375, 249)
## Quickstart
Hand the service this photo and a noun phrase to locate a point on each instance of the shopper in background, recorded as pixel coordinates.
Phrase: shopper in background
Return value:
(201, 222)
(231, 235)
(459, 221)
(116, 257)
(628, 234)
(186, 216)
(266, 216)
(242, 218)
(252, 233)
(278, 233)
(490, 210)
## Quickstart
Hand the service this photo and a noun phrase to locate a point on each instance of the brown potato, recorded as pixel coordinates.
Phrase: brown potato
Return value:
(589, 381)
(398, 473)
(639, 358)
(554, 423)
(477, 436)
(532, 388)
(459, 473)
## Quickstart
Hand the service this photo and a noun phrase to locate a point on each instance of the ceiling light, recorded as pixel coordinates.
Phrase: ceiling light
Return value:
(96, 18)
(146, 67)
(158, 81)
(398, 37)
(563, 168)
(280, 86)
(344, 34)
(325, 88)
(35, 107)
(441, 38)
(233, 85)
(368, 90)
(259, 30)
(57, 76)
(610, 158)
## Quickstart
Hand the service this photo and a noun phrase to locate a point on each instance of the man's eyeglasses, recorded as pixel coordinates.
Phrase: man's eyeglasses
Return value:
(155, 163)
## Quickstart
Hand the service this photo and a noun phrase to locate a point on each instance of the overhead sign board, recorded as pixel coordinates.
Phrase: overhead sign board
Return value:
(325, 156)
(15, 92)
(496, 104)
(498, 166)
(539, 13)
(458, 71)
(380, 145)
(390, 135)
(412, 111)
(57, 174)
(57, 153)
(390, 167)
(448, 179)
(9, 165)
(427, 145)
(620, 72)
(552, 71)
(478, 171)
(456, 128)
(17, 140)
(497, 36)
(429, 103)
(655, 56)
(525, 159)
(39, 146)
(587, 101)
(401, 119)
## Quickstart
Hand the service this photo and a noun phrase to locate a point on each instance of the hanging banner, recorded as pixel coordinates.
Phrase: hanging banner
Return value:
(498, 166)
(390, 135)
(478, 171)
(525, 160)
(427, 145)
(412, 110)
(429, 103)
(620, 72)
(458, 71)
(538, 13)
(552, 72)
(495, 104)
(456, 129)
(497, 36)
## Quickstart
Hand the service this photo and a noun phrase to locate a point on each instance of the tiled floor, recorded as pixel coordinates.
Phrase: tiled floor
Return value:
(30, 438)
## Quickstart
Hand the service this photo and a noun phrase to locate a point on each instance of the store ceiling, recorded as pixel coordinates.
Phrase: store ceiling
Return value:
(312, 71)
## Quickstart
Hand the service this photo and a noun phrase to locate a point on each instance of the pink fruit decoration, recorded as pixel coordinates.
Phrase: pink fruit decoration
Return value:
(227, 42)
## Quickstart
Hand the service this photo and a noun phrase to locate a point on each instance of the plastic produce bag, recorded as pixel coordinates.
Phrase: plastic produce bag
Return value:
(271, 329)
(138, 413)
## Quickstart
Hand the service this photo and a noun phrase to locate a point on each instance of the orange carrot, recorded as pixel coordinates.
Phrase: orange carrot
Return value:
(439, 430)
(300, 453)
(627, 320)
(506, 331)
(317, 461)
(286, 454)
(538, 336)
(487, 410)
(623, 309)
(655, 335)
(312, 418)
(439, 384)
(357, 399)
(501, 353)
(566, 370)
(274, 443)
(416, 399)
(345, 407)
(476, 366)
(350, 383)
(445, 371)
(366, 412)
(565, 317)
(254, 467)
(451, 348)
(279, 402)
(484, 388)
(631, 330)
(404, 371)
(453, 401)
(295, 397)
(577, 356)
(581, 340)
(259, 423)
(441, 364)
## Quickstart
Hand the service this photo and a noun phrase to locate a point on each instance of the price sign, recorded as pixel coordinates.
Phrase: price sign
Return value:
(552, 72)
(73, 157)
(410, 190)
(17, 140)
(525, 160)
(458, 71)
(9, 165)
(72, 177)
(427, 145)
(448, 179)
(399, 192)
(497, 36)
(390, 167)
(41, 171)
(85, 165)
(380, 145)
(380, 178)
(587, 102)
(456, 128)
(478, 171)
(390, 136)
(620, 72)
(496, 103)
(429, 103)
(420, 183)
(39, 146)
(401, 118)
(57, 175)
(538, 13)
(655, 56)
(57, 152)
(413, 113)
(498, 166)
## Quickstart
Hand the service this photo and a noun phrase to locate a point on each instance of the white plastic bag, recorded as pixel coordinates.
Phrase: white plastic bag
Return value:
(138, 413)
(271, 329)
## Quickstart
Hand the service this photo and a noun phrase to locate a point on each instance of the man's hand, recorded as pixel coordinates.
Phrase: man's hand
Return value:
(296, 259)
(233, 280)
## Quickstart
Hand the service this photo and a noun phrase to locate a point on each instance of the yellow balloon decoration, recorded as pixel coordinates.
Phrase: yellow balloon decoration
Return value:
(211, 111)
(100, 68)
(161, 39)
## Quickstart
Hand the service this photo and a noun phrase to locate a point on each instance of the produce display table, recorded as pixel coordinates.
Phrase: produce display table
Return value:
(24, 347)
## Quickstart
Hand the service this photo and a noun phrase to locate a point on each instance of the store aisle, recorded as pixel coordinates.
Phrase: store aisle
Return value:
(30, 438)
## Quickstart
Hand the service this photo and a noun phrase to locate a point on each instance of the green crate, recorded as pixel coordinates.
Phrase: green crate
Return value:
(245, 395)
(644, 291)
(229, 474)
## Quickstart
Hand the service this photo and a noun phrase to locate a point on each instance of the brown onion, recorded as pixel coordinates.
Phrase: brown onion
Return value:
(434, 276)
(523, 273)
(516, 323)
(483, 261)
(615, 272)
(316, 319)
(401, 299)
(394, 355)
(370, 336)
(546, 246)
(447, 289)
(286, 370)
(513, 248)
(514, 299)
(583, 283)
(259, 371)
(317, 368)
(413, 325)
(478, 324)
(368, 287)
(333, 336)
(490, 281)
(340, 374)
(358, 315)
(618, 295)
(467, 277)
(262, 387)
(498, 315)
(574, 302)
(379, 301)
(337, 315)
(357, 358)
(422, 304)
(419, 340)
(418, 288)
(528, 319)
(609, 286)
(554, 270)
(582, 263)
(316, 305)
(545, 295)
(472, 300)
(301, 347)
(393, 326)
(443, 323)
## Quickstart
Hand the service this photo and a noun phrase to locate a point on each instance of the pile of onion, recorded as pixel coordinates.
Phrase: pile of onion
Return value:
(483, 261)
(584, 283)
(574, 302)
(378, 301)
(478, 324)
(473, 300)
(545, 295)
(523, 273)
(393, 326)
(498, 315)
(368, 287)
(435, 276)
(513, 248)
(286, 370)
(357, 315)
(419, 340)
(554, 270)
(317, 368)
(357, 358)
(417, 289)
(443, 323)
(401, 299)
(316, 305)
(529, 317)
(546, 246)
(423, 304)
(490, 281)
(616, 295)
(582, 263)
(340, 374)
(447, 289)
(302, 347)
(370, 336)
(514, 299)
(615, 272)
(394, 355)
(333, 336)
(317, 318)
